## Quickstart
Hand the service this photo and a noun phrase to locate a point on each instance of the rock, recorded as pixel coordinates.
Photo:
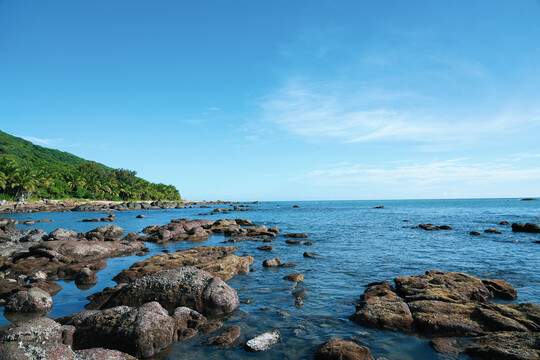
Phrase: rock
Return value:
(308, 243)
(33, 331)
(475, 233)
(309, 255)
(226, 338)
(381, 308)
(266, 248)
(34, 235)
(140, 216)
(274, 262)
(244, 222)
(187, 323)
(217, 260)
(298, 302)
(296, 235)
(38, 276)
(528, 228)
(338, 349)
(274, 229)
(106, 232)
(32, 300)
(186, 286)
(62, 235)
(504, 223)
(501, 289)
(132, 237)
(295, 277)
(102, 354)
(288, 265)
(445, 346)
(109, 218)
(294, 242)
(86, 277)
(492, 231)
(211, 327)
(379, 207)
(45, 350)
(506, 345)
(296, 206)
(263, 341)
(142, 332)
(432, 227)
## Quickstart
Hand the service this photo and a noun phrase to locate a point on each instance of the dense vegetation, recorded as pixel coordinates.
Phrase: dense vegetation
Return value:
(39, 172)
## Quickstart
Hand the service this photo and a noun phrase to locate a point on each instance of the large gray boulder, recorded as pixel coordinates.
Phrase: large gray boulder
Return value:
(187, 286)
(31, 300)
(106, 232)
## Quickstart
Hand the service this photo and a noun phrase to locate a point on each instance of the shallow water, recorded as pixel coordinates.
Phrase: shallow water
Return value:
(357, 245)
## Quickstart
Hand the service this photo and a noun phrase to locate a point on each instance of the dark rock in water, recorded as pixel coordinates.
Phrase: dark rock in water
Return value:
(288, 265)
(379, 207)
(310, 255)
(294, 242)
(132, 237)
(296, 235)
(31, 300)
(338, 349)
(244, 222)
(186, 286)
(528, 199)
(431, 227)
(296, 206)
(308, 243)
(226, 338)
(140, 216)
(106, 232)
(500, 289)
(86, 277)
(445, 346)
(504, 223)
(274, 229)
(274, 262)
(295, 277)
(109, 218)
(492, 231)
(266, 248)
(211, 326)
(187, 323)
(298, 302)
(528, 228)
(475, 233)
(141, 332)
(263, 341)
(217, 260)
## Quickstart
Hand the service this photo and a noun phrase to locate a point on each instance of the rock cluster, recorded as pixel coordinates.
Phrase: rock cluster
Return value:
(528, 228)
(451, 304)
(431, 227)
(217, 260)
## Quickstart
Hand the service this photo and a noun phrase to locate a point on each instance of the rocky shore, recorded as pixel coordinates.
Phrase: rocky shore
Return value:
(175, 297)
(11, 207)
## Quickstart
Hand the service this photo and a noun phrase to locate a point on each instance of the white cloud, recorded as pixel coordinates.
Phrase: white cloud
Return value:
(350, 113)
(41, 141)
(453, 171)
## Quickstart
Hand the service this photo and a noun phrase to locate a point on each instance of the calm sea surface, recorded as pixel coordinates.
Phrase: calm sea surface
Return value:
(357, 245)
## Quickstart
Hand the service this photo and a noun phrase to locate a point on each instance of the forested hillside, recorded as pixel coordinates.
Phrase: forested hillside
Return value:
(39, 172)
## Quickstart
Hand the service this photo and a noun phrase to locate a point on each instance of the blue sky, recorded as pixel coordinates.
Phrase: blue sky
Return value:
(283, 100)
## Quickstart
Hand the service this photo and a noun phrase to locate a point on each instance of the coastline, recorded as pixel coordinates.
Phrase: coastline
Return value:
(12, 207)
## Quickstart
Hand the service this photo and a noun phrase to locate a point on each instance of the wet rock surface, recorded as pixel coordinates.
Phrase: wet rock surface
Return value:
(186, 286)
(217, 260)
(31, 300)
(450, 304)
(263, 341)
(226, 338)
(338, 349)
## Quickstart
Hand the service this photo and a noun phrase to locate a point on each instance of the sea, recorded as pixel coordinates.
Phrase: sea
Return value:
(355, 243)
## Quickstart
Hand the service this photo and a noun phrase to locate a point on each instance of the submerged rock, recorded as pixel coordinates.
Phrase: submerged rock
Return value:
(338, 349)
(528, 228)
(226, 338)
(263, 341)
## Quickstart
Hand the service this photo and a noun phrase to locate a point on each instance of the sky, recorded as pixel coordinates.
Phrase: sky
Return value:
(283, 100)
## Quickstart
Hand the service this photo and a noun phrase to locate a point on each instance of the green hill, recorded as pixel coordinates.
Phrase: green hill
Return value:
(39, 172)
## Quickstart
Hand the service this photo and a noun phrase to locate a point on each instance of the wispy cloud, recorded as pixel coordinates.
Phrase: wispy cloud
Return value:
(421, 174)
(350, 113)
(41, 141)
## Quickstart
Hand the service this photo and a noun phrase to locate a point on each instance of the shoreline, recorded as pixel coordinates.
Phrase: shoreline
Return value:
(12, 207)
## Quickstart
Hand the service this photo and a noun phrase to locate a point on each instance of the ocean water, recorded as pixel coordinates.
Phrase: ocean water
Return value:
(357, 244)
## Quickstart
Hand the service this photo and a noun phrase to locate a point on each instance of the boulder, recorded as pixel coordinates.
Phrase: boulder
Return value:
(217, 260)
(34, 235)
(102, 354)
(274, 262)
(296, 235)
(32, 331)
(506, 345)
(475, 233)
(226, 338)
(492, 231)
(186, 286)
(106, 232)
(142, 332)
(62, 234)
(263, 341)
(338, 349)
(31, 300)
(295, 277)
(187, 323)
(86, 277)
(266, 248)
(528, 228)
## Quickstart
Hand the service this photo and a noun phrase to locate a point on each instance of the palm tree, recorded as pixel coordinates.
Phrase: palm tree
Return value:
(24, 181)
(3, 180)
